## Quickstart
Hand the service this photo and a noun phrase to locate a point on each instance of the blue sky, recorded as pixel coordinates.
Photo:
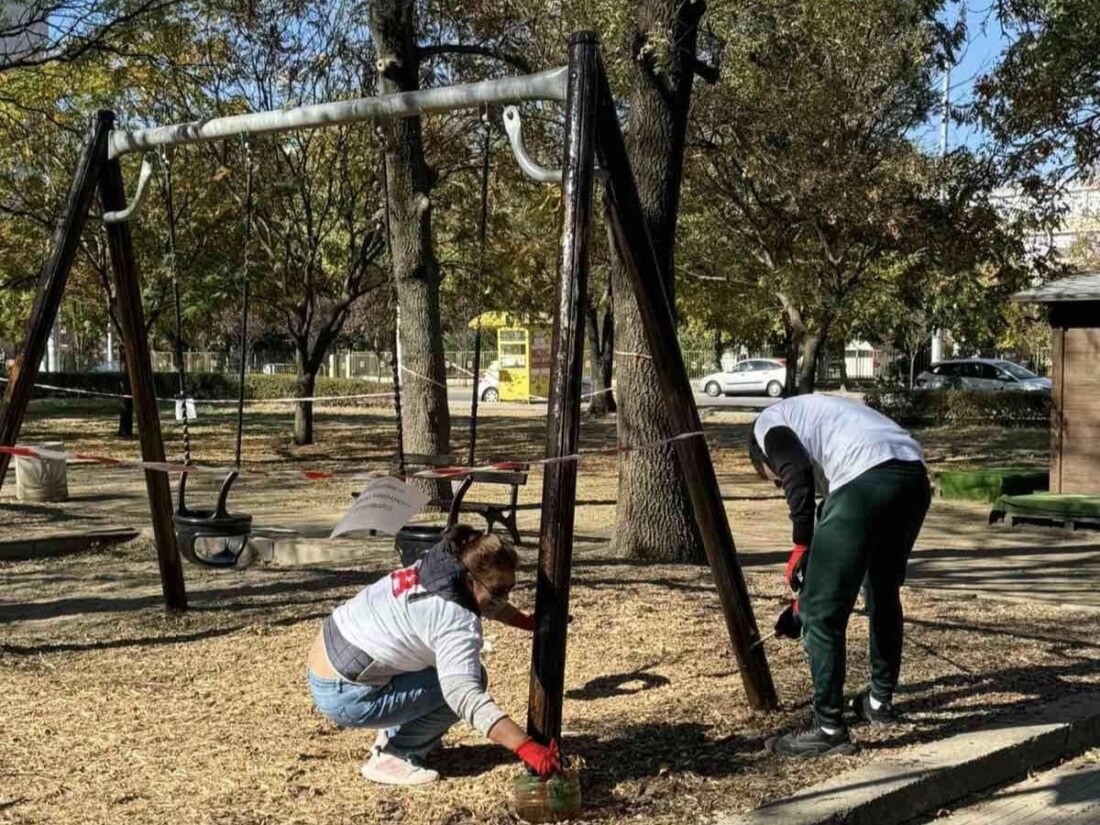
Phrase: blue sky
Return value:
(985, 42)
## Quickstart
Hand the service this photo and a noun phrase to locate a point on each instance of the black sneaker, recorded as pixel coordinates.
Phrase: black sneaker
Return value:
(858, 709)
(811, 743)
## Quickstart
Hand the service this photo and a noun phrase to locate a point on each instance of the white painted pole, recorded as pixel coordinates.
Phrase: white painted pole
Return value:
(548, 85)
(937, 334)
(397, 339)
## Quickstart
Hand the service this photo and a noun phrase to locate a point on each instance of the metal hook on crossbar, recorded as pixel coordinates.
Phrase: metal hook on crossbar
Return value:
(123, 215)
(513, 125)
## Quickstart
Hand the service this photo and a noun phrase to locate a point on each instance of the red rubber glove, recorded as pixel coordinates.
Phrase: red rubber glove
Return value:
(795, 574)
(541, 759)
(524, 621)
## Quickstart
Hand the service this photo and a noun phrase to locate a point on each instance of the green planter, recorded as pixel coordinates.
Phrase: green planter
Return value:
(989, 485)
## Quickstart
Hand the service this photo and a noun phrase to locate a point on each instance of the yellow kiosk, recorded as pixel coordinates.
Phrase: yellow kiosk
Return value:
(523, 355)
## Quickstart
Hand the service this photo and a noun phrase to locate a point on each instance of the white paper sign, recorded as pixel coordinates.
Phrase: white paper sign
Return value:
(385, 505)
(191, 414)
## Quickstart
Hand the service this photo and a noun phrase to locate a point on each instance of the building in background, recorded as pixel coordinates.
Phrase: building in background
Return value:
(1080, 221)
(23, 30)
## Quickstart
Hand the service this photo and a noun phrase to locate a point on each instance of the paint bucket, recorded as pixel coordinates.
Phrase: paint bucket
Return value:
(41, 479)
(547, 800)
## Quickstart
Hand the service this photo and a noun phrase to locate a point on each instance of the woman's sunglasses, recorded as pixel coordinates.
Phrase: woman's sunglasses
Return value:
(498, 593)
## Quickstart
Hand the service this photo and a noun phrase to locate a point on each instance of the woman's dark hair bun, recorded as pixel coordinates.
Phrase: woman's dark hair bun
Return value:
(458, 537)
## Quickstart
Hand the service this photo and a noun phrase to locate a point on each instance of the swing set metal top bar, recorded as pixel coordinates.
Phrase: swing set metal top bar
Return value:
(548, 85)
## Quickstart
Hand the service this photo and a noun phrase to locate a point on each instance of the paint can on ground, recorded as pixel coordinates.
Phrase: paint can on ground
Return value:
(41, 479)
(547, 800)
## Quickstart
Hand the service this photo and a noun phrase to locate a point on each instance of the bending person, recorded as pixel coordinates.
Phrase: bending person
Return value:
(877, 500)
(403, 657)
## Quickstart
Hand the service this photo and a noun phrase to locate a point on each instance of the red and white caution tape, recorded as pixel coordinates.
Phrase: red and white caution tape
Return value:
(514, 466)
(215, 401)
(291, 400)
(315, 475)
(73, 390)
(156, 466)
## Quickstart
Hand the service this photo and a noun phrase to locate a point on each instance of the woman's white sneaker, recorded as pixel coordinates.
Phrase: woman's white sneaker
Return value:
(387, 769)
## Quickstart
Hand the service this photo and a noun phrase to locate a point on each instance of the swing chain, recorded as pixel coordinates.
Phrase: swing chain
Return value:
(181, 370)
(395, 367)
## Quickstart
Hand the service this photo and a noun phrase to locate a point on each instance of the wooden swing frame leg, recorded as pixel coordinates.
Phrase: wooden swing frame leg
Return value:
(592, 129)
(132, 320)
(95, 170)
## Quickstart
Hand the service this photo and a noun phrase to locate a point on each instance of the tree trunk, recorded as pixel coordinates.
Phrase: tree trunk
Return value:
(425, 414)
(844, 367)
(812, 343)
(719, 349)
(303, 410)
(601, 338)
(125, 405)
(654, 520)
(791, 342)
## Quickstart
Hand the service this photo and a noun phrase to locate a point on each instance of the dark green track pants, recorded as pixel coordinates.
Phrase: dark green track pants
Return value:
(867, 529)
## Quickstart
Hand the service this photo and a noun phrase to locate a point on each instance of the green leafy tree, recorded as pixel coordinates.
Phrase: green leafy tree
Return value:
(814, 172)
(1041, 103)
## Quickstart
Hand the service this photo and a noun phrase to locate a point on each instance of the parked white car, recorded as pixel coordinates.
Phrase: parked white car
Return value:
(755, 375)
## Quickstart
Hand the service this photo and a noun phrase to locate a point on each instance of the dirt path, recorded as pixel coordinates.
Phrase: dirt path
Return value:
(117, 713)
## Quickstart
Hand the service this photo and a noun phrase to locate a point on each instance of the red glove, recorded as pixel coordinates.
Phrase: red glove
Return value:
(541, 759)
(524, 621)
(795, 574)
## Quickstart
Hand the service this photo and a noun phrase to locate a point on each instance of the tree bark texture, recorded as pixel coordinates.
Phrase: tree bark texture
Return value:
(601, 338)
(426, 417)
(303, 410)
(125, 405)
(654, 519)
(812, 344)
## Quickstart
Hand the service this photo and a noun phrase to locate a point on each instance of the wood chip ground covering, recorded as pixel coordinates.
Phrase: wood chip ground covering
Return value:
(113, 712)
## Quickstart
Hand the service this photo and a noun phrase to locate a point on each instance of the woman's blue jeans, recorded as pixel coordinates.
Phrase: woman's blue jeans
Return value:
(410, 708)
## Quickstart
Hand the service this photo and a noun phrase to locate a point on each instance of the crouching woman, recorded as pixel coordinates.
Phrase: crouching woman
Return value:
(403, 657)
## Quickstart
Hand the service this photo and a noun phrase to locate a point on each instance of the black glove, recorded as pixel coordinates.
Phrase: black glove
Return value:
(789, 624)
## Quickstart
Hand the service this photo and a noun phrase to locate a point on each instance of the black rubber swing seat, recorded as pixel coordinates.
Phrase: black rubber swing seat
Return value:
(195, 528)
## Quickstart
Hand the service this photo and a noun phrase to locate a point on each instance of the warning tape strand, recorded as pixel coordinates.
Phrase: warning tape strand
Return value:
(456, 471)
(155, 466)
(214, 401)
(285, 400)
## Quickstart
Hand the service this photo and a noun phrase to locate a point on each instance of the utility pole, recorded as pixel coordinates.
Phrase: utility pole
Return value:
(937, 334)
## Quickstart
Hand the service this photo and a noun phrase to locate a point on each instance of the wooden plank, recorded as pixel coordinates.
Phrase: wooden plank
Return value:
(1080, 461)
(132, 320)
(564, 409)
(52, 282)
(1079, 385)
(635, 248)
(62, 544)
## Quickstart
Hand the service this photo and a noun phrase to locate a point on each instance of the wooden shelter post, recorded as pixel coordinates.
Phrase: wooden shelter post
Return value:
(52, 281)
(560, 479)
(138, 360)
(634, 246)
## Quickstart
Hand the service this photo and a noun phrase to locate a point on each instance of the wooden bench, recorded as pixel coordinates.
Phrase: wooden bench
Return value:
(502, 513)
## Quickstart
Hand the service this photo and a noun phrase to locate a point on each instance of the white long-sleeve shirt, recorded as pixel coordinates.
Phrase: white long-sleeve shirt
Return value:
(845, 438)
(405, 629)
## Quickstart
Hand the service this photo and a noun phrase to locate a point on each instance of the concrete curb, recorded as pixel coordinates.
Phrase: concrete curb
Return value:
(928, 777)
(63, 544)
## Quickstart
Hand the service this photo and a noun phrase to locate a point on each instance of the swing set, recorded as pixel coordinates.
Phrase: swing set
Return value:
(592, 131)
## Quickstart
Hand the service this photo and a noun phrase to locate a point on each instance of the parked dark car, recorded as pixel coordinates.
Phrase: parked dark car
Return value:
(981, 375)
